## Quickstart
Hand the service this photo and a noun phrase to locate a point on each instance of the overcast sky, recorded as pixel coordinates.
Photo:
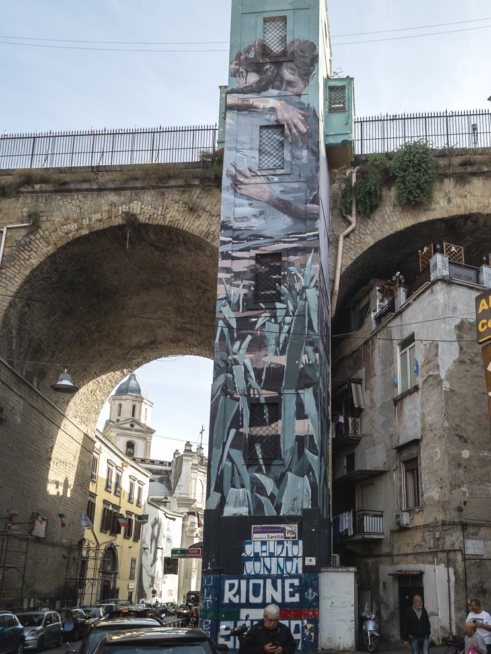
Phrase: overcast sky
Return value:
(58, 89)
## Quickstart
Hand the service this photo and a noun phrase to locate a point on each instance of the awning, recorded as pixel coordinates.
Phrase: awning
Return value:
(406, 573)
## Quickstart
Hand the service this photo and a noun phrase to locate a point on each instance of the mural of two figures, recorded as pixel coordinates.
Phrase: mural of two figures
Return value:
(268, 449)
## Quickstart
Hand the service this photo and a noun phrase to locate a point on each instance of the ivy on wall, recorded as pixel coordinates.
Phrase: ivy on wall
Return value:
(413, 169)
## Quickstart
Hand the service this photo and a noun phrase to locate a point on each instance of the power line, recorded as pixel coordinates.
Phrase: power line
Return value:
(66, 47)
(399, 29)
(36, 38)
(414, 36)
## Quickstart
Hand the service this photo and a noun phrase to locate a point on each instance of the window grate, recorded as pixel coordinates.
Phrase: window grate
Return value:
(336, 99)
(268, 277)
(263, 431)
(272, 147)
(274, 37)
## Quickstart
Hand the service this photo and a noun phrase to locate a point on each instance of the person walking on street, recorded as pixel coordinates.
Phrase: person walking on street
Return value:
(68, 627)
(269, 635)
(473, 641)
(416, 628)
(484, 628)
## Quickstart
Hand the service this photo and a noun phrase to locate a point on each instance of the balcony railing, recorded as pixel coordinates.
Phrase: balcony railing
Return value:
(385, 311)
(361, 523)
(464, 272)
(456, 129)
(346, 432)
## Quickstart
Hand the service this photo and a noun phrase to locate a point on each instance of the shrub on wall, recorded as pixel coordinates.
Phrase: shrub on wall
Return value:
(414, 168)
(367, 189)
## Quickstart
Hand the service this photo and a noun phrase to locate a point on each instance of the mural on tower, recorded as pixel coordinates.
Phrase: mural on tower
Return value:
(268, 452)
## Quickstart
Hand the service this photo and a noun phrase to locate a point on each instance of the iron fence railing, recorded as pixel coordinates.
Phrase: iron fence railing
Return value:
(106, 148)
(455, 129)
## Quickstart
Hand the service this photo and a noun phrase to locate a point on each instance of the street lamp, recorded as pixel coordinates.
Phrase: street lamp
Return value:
(64, 384)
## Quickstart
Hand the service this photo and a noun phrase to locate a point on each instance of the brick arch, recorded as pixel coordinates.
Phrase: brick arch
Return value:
(389, 241)
(79, 257)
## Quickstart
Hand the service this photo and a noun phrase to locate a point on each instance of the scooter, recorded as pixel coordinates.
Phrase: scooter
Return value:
(239, 631)
(369, 632)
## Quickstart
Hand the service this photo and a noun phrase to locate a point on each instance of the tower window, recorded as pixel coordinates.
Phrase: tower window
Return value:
(274, 37)
(272, 146)
(146, 413)
(268, 277)
(336, 99)
(119, 409)
(264, 431)
(133, 410)
(130, 448)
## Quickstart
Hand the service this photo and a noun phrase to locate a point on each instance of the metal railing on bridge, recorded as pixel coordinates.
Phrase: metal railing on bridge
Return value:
(448, 129)
(106, 148)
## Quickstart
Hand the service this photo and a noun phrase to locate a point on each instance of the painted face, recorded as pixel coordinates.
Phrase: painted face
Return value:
(291, 82)
(270, 624)
(246, 78)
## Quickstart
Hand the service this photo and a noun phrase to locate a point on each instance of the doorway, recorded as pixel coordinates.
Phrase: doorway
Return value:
(409, 586)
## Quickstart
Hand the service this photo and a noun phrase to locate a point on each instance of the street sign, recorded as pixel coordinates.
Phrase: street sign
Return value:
(486, 357)
(275, 532)
(483, 316)
(190, 553)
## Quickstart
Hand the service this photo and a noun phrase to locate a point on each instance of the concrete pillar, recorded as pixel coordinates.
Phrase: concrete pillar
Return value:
(485, 276)
(400, 297)
(439, 266)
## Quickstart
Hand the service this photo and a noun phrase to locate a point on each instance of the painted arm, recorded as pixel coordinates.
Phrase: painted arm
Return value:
(292, 119)
(253, 185)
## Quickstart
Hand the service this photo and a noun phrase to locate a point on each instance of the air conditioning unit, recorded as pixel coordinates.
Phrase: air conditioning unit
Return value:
(335, 560)
(403, 519)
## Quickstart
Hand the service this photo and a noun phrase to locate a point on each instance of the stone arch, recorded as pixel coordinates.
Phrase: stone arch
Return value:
(460, 213)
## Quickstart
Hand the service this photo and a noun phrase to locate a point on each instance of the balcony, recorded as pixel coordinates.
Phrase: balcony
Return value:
(356, 476)
(384, 312)
(361, 524)
(346, 431)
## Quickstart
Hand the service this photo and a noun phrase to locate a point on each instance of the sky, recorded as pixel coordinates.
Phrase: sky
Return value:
(74, 83)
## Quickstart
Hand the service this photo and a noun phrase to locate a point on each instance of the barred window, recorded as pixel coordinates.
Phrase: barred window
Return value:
(272, 146)
(274, 37)
(336, 99)
(264, 438)
(268, 277)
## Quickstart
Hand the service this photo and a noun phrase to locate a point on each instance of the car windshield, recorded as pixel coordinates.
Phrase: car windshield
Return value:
(153, 647)
(31, 620)
(94, 636)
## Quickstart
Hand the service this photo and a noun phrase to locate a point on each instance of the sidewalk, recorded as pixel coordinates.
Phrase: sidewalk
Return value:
(396, 648)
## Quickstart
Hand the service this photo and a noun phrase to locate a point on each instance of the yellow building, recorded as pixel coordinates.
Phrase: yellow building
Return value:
(111, 553)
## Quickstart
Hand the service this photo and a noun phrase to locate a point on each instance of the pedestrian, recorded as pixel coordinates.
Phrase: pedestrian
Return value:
(416, 628)
(269, 635)
(44, 608)
(484, 628)
(473, 641)
(68, 626)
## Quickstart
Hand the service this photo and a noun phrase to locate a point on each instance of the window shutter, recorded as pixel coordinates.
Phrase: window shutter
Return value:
(336, 99)
(272, 146)
(268, 277)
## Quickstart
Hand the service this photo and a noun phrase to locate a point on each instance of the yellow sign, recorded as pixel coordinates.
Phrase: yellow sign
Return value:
(483, 316)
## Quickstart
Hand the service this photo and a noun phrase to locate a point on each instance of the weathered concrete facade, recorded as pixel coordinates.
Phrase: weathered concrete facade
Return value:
(440, 427)
(140, 257)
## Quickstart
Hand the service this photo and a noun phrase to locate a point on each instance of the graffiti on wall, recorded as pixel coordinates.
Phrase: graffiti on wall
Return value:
(267, 352)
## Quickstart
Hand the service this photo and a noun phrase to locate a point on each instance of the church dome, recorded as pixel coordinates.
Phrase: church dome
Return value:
(132, 386)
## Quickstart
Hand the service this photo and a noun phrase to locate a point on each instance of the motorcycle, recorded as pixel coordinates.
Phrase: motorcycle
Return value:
(369, 632)
(194, 619)
(239, 631)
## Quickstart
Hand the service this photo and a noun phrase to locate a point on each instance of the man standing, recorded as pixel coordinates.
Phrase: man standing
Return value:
(484, 628)
(474, 639)
(269, 635)
(417, 628)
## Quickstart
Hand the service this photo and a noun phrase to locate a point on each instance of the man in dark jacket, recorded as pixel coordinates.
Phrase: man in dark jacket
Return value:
(269, 636)
(416, 628)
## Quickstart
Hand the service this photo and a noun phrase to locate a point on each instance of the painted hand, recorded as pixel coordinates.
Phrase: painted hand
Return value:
(296, 126)
(249, 183)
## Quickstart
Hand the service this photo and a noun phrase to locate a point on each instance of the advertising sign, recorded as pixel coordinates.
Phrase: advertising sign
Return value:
(190, 553)
(274, 532)
(483, 316)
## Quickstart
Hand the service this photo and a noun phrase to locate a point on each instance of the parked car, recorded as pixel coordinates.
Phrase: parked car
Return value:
(93, 613)
(134, 612)
(41, 628)
(151, 640)
(99, 629)
(11, 633)
(80, 619)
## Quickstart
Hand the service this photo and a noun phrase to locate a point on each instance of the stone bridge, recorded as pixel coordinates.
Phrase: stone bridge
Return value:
(117, 268)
